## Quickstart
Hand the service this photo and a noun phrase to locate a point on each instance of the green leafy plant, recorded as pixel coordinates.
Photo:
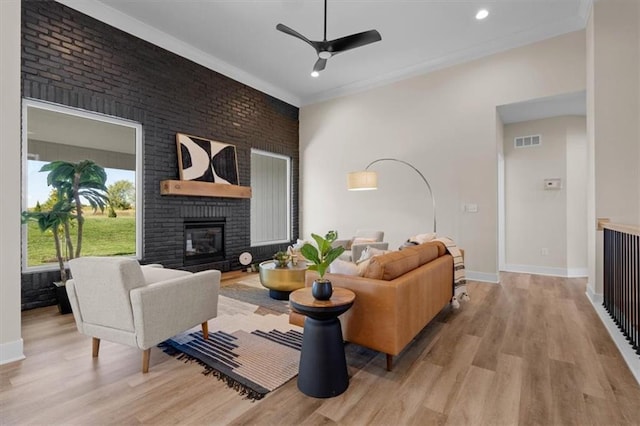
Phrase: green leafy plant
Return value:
(70, 181)
(281, 258)
(322, 256)
(53, 221)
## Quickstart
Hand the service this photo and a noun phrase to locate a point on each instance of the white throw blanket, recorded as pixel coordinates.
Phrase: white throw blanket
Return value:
(459, 279)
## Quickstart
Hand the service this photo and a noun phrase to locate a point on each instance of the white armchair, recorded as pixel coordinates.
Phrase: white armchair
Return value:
(116, 299)
(362, 239)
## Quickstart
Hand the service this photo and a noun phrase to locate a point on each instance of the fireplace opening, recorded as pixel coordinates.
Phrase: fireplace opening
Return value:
(203, 240)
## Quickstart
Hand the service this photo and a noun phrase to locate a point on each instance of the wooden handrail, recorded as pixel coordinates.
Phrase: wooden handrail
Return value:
(603, 223)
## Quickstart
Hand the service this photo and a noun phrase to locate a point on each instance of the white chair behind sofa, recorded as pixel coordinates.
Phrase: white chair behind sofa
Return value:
(355, 246)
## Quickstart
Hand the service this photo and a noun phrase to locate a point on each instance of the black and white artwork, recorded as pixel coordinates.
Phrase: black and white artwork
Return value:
(206, 160)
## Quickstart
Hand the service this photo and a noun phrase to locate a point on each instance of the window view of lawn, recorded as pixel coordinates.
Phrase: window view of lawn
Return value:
(103, 236)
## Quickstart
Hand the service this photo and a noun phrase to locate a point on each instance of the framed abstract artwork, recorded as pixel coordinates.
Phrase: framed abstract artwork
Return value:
(205, 160)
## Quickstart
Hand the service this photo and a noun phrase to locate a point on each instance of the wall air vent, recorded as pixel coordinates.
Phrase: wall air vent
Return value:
(527, 141)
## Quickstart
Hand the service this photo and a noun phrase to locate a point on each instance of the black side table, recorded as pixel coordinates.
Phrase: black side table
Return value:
(323, 366)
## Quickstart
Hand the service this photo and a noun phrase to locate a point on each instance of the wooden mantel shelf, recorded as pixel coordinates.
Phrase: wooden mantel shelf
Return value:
(203, 189)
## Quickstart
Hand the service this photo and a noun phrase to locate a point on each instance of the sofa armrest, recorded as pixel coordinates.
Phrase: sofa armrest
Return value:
(357, 249)
(165, 308)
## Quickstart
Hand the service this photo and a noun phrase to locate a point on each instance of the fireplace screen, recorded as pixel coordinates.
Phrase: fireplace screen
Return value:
(203, 241)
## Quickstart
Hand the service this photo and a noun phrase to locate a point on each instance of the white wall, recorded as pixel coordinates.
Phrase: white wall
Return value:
(613, 101)
(445, 124)
(502, 253)
(537, 219)
(576, 187)
(11, 347)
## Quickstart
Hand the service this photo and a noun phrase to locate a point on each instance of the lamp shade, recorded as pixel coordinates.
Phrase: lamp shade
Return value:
(362, 181)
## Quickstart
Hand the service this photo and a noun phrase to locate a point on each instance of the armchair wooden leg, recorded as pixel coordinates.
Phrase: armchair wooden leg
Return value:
(205, 330)
(146, 354)
(389, 362)
(96, 347)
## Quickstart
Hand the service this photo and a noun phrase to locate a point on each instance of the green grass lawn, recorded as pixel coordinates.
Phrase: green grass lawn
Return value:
(103, 236)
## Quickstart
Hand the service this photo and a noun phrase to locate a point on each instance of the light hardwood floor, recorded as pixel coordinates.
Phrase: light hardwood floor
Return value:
(528, 351)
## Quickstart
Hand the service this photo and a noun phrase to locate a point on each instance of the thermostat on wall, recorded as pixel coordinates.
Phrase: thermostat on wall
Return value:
(554, 183)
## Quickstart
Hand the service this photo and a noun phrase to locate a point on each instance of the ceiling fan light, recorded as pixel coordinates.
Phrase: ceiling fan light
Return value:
(323, 54)
(315, 74)
(482, 14)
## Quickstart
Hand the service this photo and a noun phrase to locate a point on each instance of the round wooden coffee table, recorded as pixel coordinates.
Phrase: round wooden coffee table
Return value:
(323, 366)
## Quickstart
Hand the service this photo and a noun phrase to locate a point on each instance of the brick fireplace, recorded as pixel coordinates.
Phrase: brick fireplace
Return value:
(71, 59)
(203, 240)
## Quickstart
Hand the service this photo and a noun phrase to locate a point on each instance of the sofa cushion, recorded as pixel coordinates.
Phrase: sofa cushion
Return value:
(426, 252)
(343, 267)
(442, 249)
(392, 265)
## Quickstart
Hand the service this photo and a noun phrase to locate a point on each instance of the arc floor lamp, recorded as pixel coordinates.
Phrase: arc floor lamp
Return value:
(368, 180)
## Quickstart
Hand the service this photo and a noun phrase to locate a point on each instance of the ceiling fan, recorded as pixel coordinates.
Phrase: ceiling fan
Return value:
(328, 48)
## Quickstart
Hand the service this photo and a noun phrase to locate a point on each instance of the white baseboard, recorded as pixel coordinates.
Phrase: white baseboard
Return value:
(482, 276)
(628, 354)
(547, 270)
(577, 272)
(596, 299)
(11, 352)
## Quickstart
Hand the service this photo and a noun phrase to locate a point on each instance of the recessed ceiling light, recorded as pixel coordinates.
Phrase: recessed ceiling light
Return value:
(482, 13)
(315, 73)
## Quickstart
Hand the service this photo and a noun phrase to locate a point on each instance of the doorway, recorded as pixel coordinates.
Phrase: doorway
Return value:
(542, 186)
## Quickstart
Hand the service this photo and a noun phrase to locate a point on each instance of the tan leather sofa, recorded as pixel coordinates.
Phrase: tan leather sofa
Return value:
(396, 298)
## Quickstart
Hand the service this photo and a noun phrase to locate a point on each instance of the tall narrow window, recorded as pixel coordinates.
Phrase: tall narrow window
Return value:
(56, 133)
(270, 198)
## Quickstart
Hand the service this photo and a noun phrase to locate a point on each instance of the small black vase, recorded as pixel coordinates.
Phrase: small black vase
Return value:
(322, 290)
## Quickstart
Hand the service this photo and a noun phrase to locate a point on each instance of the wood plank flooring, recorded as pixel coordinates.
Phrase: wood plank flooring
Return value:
(529, 351)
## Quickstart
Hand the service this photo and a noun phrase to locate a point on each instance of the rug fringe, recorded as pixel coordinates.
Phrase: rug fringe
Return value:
(242, 389)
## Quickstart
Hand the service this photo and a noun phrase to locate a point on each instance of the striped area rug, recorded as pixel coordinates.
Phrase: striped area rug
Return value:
(253, 363)
(251, 346)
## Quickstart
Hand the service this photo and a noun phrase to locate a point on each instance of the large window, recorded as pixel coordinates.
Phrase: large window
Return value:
(56, 133)
(270, 198)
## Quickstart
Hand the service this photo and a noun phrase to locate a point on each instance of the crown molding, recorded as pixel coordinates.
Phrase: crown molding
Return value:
(499, 45)
(584, 10)
(115, 18)
(126, 23)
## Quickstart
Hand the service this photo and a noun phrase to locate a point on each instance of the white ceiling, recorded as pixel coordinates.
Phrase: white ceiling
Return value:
(65, 128)
(238, 38)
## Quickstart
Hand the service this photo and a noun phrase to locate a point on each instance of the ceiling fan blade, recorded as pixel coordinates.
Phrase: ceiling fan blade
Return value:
(320, 64)
(355, 40)
(294, 33)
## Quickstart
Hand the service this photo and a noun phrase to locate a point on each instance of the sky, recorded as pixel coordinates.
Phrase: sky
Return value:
(37, 181)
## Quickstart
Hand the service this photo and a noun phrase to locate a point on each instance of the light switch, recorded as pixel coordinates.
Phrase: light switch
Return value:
(554, 183)
(472, 208)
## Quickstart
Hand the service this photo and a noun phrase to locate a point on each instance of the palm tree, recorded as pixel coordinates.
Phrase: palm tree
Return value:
(53, 220)
(74, 180)
(70, 181)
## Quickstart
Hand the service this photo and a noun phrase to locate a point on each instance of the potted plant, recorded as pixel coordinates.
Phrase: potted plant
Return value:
(281, 258)
(320, 258)
(71, 181)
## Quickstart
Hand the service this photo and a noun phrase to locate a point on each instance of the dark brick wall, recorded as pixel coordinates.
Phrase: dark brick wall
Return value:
(72, 59)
